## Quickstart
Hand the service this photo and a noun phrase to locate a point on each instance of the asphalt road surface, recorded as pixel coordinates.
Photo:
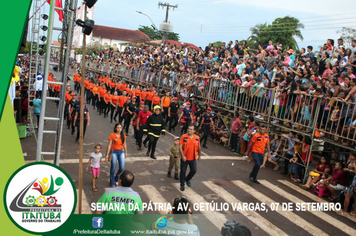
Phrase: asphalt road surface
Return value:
(221, 177)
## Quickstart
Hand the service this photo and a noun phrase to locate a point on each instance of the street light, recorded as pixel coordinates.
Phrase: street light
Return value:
(153, 24)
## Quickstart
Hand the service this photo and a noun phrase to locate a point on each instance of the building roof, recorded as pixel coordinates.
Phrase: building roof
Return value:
(119, 34)
(175, 43)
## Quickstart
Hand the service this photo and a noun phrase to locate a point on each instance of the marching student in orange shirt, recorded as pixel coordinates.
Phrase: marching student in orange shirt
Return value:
(90, 92)
(143, 95)
(156, 100)
(149, 98)
(114, 100)
(101, 94)
(95, 95)
(137, 93)
(121, 102)
(166, 102)
(107, 99)
(76, 77)
(258, 143)
(112, 86)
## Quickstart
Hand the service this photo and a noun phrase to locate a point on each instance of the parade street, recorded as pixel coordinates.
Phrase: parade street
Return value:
(222, 177)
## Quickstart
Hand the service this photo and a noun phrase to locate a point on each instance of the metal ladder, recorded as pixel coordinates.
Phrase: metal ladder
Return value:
(35, 39)
(45, 130)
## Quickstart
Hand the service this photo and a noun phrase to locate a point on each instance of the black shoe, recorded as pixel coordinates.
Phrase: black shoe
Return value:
(169, 174)
(189, 184)
(182, 188)
(174, 129)
(148, 153)
(153, 157)
(169, 131)
(76, 140)
(139, 148)
(176, 176)
(252, 180)
(111, 121)
(256, 181)
(204, 146)
(145, 145)
(72, 133)
(284, 173)
(99, 113)
(68, 127)
(115, 120)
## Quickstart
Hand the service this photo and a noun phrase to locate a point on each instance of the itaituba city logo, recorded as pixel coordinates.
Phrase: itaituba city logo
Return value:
(41, 197)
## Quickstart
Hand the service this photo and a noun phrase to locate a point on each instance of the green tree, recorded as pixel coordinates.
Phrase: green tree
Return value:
(26, 49)
(347, 34)
(158, 35)
(282, 30)
(217, 44)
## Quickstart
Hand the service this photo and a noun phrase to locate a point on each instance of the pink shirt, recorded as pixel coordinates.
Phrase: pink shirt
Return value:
(352, 76)
(236, 125)
(327, 72)
(269, 48)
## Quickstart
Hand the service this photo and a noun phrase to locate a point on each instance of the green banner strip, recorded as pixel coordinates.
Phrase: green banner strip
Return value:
(13, 19)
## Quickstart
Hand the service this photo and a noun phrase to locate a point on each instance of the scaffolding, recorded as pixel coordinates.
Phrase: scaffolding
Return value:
(47, 128)
(34, 56)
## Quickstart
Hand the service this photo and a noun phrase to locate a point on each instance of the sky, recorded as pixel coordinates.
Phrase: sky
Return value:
(204, 21)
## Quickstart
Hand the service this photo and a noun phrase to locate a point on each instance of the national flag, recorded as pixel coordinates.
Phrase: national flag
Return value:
(59, 5)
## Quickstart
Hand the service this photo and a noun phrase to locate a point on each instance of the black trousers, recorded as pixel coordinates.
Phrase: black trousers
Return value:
(206, 131)
(152, 142)
(112, 108)
(78, 128)
(234, 138)
(175, 118)
(139, 136)
(94, 100)
(128, 117)
(183, 169)
(185, 125)
(165, 114)
(149, 104)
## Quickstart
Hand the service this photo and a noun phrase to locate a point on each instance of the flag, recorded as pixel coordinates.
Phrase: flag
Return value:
(58, 4)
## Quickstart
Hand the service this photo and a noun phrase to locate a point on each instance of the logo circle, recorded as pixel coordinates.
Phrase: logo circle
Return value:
(39, 197)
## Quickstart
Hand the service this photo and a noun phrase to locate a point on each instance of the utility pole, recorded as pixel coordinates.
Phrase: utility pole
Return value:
(168, 6)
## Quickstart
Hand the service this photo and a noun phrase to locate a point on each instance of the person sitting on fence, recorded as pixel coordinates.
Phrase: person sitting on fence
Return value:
(275, 146)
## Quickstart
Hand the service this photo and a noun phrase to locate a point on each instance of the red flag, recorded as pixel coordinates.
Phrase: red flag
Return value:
(58, 4)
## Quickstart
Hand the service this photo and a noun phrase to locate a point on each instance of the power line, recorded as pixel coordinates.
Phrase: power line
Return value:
(274, 28)
(284, 23)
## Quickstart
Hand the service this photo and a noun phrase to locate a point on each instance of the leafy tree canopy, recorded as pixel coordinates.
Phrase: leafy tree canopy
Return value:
(282, 30)
(158, 35)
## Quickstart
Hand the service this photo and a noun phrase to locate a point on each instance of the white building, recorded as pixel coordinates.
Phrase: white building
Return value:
(117, 38)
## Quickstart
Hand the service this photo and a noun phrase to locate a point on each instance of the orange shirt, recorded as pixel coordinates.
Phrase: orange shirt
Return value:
(122, 101)
(87, 84)
(100, 80)
(123, 87)
(143, 95)
(95, 90)
(118, 86)
(259, 143)
(137, 92)
(190, 146)
(76, 77)
(102, 92)
(107, 97)
(90, 85)
(156, 100)
(106, 80)
(117, 144)
(68, 98)
(150, 95)
(166, 101)
(129, 91)
(112, 84)
(57, 88)
(114, 99)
